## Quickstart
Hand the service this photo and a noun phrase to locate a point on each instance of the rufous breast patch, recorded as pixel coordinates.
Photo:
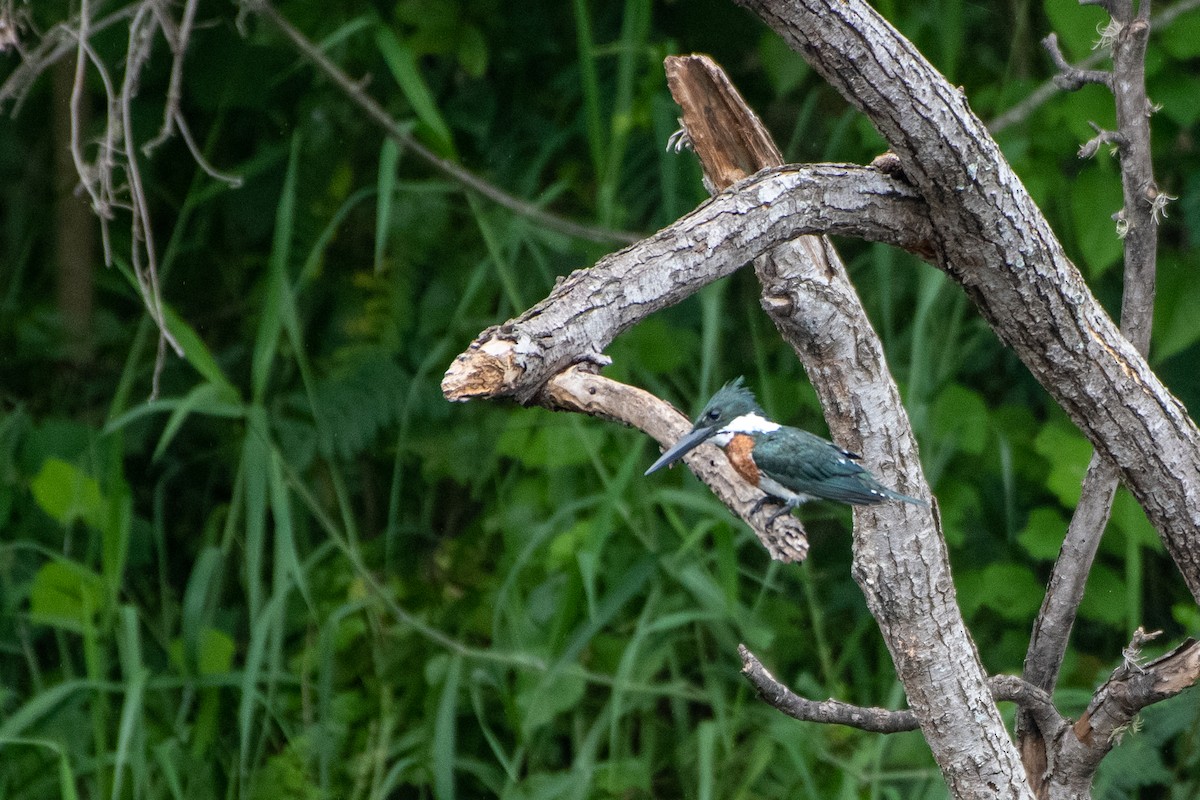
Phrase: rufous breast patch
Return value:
(738, 453)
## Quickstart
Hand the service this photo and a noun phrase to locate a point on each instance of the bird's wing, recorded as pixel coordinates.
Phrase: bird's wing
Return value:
(810, 465)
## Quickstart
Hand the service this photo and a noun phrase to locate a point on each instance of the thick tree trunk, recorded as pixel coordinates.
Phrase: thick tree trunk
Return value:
(900, 558)
(991, 238)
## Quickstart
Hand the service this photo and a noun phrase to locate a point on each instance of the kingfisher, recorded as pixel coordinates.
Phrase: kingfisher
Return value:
(790, 465)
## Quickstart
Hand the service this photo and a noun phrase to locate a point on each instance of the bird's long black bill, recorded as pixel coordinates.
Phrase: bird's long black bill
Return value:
(685, 445)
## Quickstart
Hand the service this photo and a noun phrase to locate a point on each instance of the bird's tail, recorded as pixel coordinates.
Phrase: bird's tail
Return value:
(904, 498)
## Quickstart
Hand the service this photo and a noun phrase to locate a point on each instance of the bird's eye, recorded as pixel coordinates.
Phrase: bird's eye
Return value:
(713, 415)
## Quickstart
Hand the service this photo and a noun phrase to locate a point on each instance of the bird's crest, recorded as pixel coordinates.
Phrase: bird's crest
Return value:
(731, 401)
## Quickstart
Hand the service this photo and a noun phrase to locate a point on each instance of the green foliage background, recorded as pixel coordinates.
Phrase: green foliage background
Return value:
(301, 573)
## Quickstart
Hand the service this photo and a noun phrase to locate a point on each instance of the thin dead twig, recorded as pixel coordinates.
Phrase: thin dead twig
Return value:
(881, 720)
(1043, 93)
(141, 38)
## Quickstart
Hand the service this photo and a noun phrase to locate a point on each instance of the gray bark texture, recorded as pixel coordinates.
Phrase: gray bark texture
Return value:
(590, 307)
(900, 558)
(990, 237)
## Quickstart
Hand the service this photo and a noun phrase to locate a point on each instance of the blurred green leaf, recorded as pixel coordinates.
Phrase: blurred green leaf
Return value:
(553, 444)
(1129, 517)
(402, 63)
(444, 750)
(543, 700)
(214, 653)
(1068, 454)
(66, 595)
(1097, 196)
(278, 288)
(785, 67)
(1176, 99)
(67, 494)
(1043, 534)
(1176, 323)
(1181, 39)
(1008, 589)
(961, 418)
(1078, 28)
(286, 776)
(656, 346)
(1188, 616)
(1106, 598)
(389, 158)
(959, 501)
(200, 357)
(204, 398)
(472, 51)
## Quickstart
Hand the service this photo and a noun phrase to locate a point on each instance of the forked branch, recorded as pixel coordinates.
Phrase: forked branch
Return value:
(1138, 225)
(991, 238)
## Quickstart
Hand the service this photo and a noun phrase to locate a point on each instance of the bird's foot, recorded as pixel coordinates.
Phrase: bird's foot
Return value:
(754, 509)
(784, 508)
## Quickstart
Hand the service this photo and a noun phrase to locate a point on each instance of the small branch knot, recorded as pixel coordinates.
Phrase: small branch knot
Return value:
(1132, 654)
(1092, 146)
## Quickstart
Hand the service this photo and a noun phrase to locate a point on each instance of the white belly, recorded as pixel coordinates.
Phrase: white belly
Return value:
(776, 489)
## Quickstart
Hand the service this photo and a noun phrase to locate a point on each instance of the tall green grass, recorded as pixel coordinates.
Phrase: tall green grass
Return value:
(300, 573)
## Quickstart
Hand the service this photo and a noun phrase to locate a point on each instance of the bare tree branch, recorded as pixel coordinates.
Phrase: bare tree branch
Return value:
(117, 149)
(1052, 628)
(902, 569)
(590, 307)
(831, 712)
(1112, 711)
(1043, 93)
(882, 720)
(808, 295)
(1078, 747)
(96, 179)
(990, 237)
(178, 39)
(1072, 78)
(1139, 189)
(141, 37)
(58, 43)
(1092, 146)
